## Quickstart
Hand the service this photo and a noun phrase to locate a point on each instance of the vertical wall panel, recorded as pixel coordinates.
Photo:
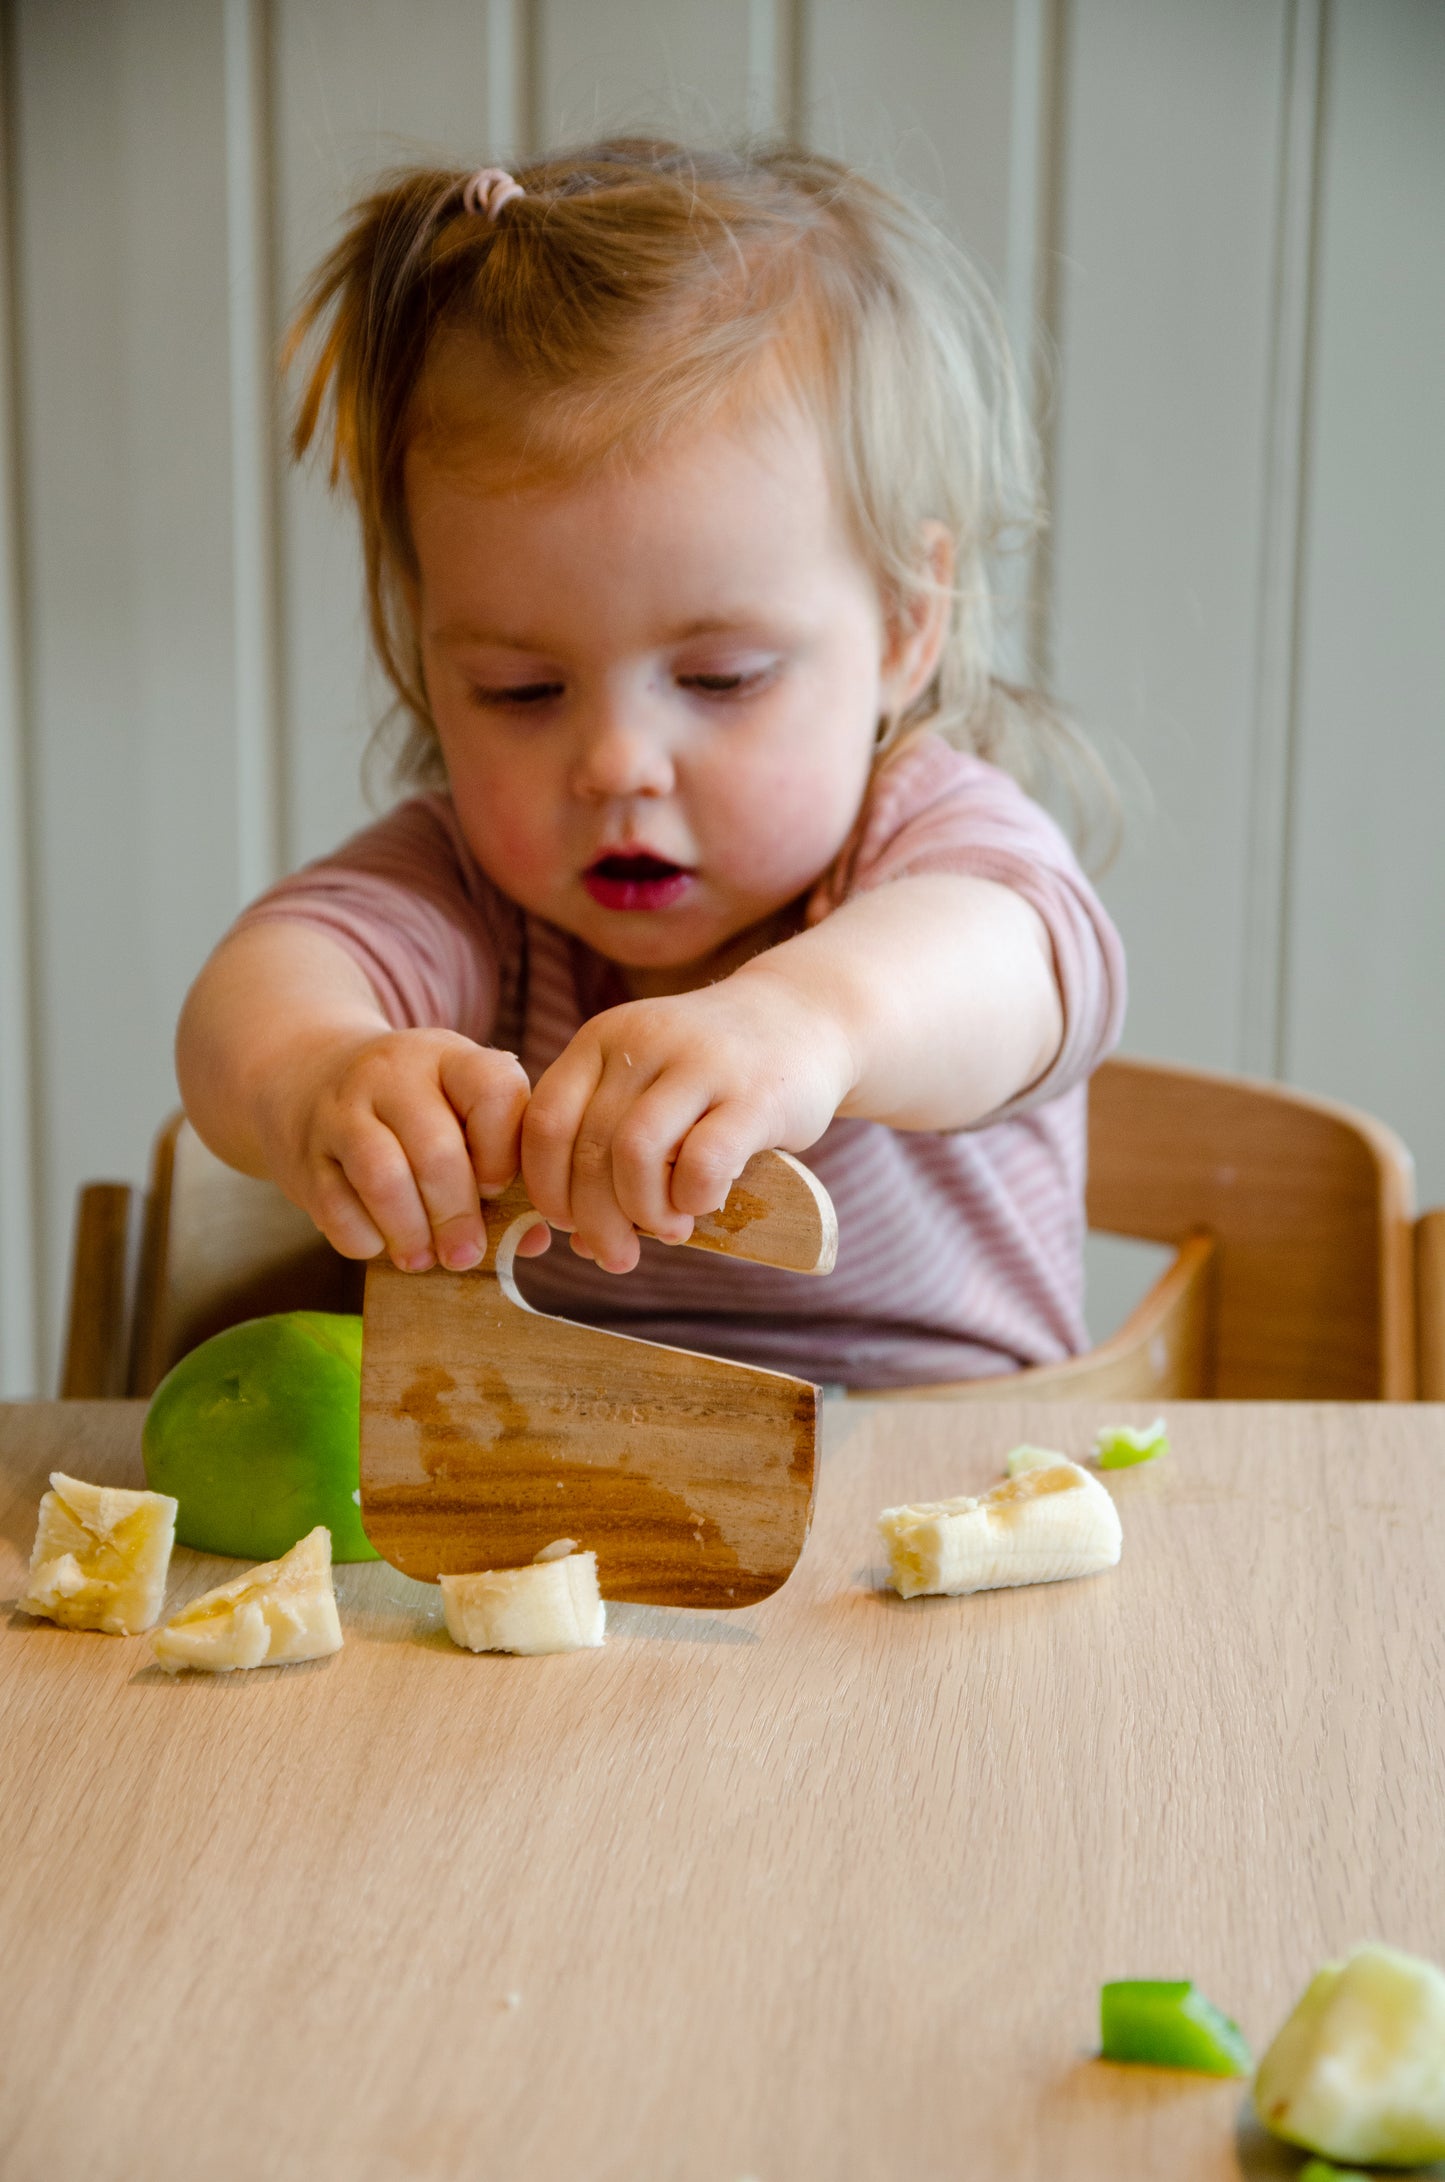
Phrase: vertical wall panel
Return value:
(124, 377)
(951, 98)
(253, 437)
(360, 85)
(1275, 716)
(1169, 172)
(19, 1360)
(1366, 1016)
(700, 72)
(924, 91)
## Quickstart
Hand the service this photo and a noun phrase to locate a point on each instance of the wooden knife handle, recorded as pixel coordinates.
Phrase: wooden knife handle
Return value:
(777, 1213)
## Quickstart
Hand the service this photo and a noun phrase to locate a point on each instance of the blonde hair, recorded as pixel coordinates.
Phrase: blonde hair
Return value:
(637, 287)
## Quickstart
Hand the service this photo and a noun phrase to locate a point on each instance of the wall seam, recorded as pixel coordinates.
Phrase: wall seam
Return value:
(527, 92)
(510, 43)
(251, 340)
(1264, 969)
(20, 1102)
(1029, 299)
(1295, 725)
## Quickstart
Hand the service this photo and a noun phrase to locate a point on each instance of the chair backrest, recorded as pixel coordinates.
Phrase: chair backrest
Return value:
(219, 1247)
(1310, 1205)
(1292, 1218)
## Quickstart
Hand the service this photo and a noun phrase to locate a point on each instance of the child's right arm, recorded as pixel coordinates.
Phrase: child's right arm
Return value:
(288, 1067)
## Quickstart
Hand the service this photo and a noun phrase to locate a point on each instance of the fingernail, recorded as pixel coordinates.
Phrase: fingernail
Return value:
(420, 1261)
(462, 1257)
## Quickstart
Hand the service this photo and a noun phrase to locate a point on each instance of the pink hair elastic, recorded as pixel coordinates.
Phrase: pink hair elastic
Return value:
(489, 189)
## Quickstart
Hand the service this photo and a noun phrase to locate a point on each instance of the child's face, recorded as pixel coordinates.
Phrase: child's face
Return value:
(658, 690)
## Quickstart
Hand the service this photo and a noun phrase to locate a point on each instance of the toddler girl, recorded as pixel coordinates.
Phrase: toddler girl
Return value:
(677, 474)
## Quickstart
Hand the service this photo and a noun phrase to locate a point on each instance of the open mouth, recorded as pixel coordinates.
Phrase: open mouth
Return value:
(635, 880)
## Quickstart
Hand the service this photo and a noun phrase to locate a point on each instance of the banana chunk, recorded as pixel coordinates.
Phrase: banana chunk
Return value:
(1048, 1522)
(100, 1557)
(281, 1611)
(1358, 2071)
(550, 1606)
(1024, 1458)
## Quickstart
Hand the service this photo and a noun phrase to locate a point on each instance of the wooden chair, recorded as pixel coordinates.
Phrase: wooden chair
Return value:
(154, 1274)
(1430, 1304)
(1291, 1219)
(1294, 1276)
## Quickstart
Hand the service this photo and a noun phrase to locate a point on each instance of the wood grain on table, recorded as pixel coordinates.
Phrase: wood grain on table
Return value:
(822, 1889)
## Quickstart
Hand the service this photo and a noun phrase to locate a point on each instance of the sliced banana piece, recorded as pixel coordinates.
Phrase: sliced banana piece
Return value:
(1024, 1458)
(1047, 1523)
(552, 1606)
(1358, 2071)
(282, 1610)
(101, 1555)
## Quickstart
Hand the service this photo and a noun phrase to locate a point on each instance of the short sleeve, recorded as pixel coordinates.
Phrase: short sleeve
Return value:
(936, 809)
(406, 900)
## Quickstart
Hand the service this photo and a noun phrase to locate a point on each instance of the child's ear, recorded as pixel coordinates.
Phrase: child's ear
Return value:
(917, 629)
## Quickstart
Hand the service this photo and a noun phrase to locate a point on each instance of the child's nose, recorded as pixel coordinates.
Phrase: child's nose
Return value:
(621, 757)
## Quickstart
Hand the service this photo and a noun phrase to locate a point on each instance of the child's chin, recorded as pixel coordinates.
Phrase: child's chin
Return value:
(628, 941)
(638, 940)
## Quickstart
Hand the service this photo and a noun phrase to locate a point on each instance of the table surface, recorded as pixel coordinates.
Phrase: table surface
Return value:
(825, 1888)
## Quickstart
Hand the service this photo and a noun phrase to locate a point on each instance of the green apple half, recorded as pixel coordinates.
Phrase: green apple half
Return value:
(1358, 2071)
(256, 1434)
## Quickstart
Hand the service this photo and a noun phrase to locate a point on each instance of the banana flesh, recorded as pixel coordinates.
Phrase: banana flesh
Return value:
(1049, 1522)
(551, 1606)
(1024, 1458)
(1358, 2071)
(100, 1556)
(281, 1611)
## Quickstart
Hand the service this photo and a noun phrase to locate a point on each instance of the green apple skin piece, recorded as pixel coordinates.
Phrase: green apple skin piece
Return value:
(1358, 2070)
(257, 1436)
(1120, 1446)
(1168, 2023)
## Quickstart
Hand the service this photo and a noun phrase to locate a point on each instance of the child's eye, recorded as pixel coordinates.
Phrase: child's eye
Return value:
(521, 693)
(726, 685)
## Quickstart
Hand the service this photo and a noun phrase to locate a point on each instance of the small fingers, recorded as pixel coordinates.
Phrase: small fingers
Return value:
(713, 1155)
(342, 1217)
(602, 1227)
(431, 1140)
(488, 1091)
(377, 1169)
(644, 1147)
(549, 1129)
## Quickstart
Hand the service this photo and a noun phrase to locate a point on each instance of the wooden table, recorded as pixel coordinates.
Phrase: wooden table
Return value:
(821, 1892)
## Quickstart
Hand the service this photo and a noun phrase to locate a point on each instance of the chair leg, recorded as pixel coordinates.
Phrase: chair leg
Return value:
(102, 1292)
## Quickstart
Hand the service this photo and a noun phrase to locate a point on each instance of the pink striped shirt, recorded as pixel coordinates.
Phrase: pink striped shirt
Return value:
(959, 1255)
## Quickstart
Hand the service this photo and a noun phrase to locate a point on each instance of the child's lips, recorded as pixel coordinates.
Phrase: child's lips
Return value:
(635, 879)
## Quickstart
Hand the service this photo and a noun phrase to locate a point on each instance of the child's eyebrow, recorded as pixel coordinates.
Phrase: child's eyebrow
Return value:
(747, 621)
(471, 632)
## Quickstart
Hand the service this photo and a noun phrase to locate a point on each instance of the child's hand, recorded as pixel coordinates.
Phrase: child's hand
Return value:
(387, 1141)
(656, 1107)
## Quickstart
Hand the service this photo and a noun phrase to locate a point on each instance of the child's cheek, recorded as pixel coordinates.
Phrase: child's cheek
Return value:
(782, 827)
(509, 831)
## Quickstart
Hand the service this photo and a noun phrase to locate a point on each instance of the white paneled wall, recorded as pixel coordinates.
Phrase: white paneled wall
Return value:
(1164, 311)
(1228, 219)
(1363, 970)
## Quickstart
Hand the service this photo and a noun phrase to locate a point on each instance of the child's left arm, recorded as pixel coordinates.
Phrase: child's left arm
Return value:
(927, 1003)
